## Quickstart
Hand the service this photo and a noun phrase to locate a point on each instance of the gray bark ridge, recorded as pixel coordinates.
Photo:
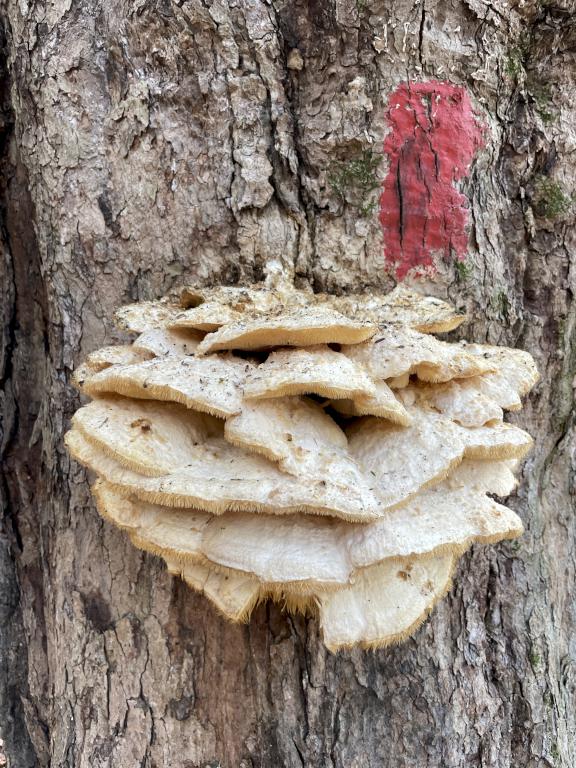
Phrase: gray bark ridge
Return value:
(150, 144)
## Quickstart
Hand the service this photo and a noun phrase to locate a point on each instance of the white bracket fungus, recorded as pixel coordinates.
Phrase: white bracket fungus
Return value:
(326, 452)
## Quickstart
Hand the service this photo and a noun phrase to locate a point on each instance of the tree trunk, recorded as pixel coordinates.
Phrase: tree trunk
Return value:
(150, 144)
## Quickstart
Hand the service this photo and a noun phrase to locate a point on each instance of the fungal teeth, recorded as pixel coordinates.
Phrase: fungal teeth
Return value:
(325, 452)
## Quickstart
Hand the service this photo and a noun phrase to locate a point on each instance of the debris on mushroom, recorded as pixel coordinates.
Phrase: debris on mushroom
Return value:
(325, 452)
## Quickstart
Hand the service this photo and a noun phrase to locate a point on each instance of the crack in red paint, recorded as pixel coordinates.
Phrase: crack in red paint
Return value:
(433, 139)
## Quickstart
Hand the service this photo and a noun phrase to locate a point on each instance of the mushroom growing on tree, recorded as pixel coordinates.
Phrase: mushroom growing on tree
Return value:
(327, 452)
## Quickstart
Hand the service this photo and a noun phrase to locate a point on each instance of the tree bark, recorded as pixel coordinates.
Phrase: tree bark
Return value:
(147, 145)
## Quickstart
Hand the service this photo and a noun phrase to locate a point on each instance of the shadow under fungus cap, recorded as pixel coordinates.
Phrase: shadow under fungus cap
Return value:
(326, 452)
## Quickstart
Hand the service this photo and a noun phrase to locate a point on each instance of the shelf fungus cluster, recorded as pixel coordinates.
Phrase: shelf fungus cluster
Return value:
(326, 452)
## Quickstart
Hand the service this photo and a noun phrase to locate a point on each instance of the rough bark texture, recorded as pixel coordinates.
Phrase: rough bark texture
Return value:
(146, 144)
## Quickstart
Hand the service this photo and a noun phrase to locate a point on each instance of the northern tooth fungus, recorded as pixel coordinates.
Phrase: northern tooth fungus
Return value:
(327, 452)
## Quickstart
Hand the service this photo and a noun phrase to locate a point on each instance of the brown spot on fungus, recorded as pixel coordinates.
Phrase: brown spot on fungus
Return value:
(144, 424)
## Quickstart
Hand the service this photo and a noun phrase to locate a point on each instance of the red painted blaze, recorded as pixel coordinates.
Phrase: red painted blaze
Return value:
(434, 135)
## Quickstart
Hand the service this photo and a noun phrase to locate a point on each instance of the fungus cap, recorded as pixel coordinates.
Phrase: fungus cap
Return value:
(306, 327)
(206, 317)
(321, 553)
(382, 403)
(297, 434)
(122, 354)
(460, 400)
(315, 370)
(496, 441)
(147, 437)
(500, 390)
(234, 595)
(515, 365)
(249, 300)
(322, 371)
(402, 460)
(401, 306)
(397, 350)
(212, 384)
(164, 342)
(386, 604)
(218, 477)
(146, 315)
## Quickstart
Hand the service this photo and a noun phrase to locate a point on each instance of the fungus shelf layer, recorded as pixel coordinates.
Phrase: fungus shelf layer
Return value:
(326, 452)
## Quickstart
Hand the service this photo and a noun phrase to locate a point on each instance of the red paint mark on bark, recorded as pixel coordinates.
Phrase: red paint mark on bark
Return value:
(432, 142)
